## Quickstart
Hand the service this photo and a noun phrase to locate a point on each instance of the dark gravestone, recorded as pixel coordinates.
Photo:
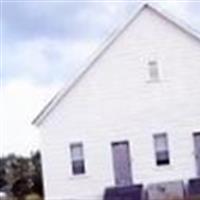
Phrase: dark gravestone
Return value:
(124, 193)
(194, 187)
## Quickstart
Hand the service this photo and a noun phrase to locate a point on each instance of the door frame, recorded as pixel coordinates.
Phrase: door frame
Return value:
(127, 143)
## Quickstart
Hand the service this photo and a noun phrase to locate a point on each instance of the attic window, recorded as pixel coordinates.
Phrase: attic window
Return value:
(153, 71)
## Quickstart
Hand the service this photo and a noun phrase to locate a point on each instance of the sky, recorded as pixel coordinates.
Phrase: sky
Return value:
(43, 43)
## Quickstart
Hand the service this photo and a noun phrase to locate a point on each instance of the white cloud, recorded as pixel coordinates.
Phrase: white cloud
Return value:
(21, 101)
(110, 14)
(46, 60)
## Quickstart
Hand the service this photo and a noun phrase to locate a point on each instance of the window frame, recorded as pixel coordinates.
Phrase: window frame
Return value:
(81, 168)
(162, 157)
(153, 71)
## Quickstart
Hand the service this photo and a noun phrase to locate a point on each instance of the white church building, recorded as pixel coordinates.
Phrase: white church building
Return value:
(131, 116)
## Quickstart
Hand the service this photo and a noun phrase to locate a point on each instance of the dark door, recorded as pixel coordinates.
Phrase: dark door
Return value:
(122, 164)
(197, 151)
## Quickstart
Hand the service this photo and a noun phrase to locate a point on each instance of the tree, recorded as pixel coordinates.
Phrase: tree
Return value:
(3, 183)
(20, 188)
(22, 174)
(37, 178)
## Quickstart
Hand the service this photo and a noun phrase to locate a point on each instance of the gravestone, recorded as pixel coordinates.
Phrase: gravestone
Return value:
(166, 190)
(194, 187)
(134, 192)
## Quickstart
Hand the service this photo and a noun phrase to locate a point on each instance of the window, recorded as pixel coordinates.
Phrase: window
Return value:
(161, 149)
(153, 71)
(77, 158)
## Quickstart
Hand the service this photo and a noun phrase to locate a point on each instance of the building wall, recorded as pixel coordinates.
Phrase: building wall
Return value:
(116, 101)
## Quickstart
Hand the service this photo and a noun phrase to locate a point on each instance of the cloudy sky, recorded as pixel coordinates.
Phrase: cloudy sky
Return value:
(43, 44)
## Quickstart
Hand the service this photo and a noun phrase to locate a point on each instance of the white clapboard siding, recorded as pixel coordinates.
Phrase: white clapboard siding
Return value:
(116, 101)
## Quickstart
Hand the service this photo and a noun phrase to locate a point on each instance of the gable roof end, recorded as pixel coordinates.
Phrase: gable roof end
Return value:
(106, 44)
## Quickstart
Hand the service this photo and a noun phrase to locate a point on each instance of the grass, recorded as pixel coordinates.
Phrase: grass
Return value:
(33, 197)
